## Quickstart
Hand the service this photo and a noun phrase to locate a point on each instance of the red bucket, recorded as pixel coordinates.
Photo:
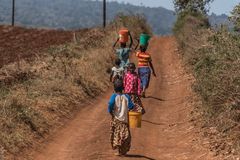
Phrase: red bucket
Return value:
(123, 36)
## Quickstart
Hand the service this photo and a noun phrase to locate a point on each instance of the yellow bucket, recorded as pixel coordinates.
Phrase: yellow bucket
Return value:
(135, 119)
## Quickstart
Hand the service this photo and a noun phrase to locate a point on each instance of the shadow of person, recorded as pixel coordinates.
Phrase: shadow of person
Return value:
(156, 98)
(154, 123)
(138, 156)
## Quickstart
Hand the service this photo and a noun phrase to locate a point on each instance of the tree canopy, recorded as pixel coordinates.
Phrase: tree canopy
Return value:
(235, 17)
(191, 6)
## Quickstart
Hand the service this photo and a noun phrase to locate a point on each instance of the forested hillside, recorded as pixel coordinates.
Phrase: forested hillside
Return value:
(219, 19)
(72, 14)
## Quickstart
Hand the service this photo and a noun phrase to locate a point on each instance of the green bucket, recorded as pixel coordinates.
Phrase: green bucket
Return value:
(144, 38)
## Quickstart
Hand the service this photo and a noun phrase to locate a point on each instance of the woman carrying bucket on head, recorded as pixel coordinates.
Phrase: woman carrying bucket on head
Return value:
(144, 40)
(144, 63)
(118, 106)
(123, 52)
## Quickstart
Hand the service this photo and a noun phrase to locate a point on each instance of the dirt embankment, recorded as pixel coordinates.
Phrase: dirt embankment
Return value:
(55, 74)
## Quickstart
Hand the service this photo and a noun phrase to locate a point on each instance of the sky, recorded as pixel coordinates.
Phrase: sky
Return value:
(218, 6)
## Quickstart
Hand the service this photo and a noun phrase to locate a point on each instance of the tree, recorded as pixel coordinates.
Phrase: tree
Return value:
(235, 17)
(192, 6)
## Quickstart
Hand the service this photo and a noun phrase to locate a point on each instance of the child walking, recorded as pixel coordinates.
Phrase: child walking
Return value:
(117, 71)
(132, 87)
(118, 107)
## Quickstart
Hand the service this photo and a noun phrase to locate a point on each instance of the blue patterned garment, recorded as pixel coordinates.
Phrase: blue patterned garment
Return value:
(123, 54)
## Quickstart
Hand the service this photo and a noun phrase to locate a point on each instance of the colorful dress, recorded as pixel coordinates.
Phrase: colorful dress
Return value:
(132, 87)
(118, 106)
(144, 70)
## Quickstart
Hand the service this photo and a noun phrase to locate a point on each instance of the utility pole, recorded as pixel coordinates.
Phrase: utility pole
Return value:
(13, 11)
(104, 13)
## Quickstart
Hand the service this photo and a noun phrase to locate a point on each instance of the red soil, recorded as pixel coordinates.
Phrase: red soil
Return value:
(17, 42)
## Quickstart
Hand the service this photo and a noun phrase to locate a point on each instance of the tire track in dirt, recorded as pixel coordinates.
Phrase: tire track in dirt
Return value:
(166, 133)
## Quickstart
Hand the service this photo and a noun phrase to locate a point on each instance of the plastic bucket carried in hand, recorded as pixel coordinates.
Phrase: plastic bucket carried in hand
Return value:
(135, 119)
(123, 36)
(144, 38)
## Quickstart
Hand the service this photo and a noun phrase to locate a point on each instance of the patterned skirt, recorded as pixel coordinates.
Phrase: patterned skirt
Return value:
(138, 106)
(120, 136)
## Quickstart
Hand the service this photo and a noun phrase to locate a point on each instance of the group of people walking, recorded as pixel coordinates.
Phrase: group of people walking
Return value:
(130, 84)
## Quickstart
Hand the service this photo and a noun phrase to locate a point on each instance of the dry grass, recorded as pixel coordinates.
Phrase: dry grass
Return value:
(137, 24)
(36, 95)
(214, 58)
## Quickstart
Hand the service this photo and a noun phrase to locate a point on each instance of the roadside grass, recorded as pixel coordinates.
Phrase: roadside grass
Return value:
(214, 58)
(36, 95)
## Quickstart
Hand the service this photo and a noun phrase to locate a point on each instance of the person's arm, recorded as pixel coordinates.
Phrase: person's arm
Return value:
(137, 44)
(139, 86)
(151, 66)
(124, 82)
(130, 103)
(114, 45)
(111, 76)
(111, 104)
(137, 54)
(131, 40)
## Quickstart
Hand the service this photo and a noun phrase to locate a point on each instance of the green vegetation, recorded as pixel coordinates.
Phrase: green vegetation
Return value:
(192, 6)
(235, 17)
(214, 58)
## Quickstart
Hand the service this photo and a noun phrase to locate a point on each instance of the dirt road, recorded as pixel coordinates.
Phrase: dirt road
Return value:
(166, 133)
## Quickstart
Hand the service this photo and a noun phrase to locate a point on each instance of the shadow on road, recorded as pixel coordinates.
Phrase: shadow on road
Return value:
(154, 123)
(159, 99)
(138, 156)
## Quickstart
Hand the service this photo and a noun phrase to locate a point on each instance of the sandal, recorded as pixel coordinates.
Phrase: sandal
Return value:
(143, 95)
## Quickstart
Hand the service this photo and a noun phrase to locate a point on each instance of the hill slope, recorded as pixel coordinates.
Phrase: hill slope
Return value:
(72, 14)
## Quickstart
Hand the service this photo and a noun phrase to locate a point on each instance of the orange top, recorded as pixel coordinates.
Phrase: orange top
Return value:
(143, 59)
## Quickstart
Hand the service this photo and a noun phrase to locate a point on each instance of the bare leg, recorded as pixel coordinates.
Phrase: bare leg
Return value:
(143, 92)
